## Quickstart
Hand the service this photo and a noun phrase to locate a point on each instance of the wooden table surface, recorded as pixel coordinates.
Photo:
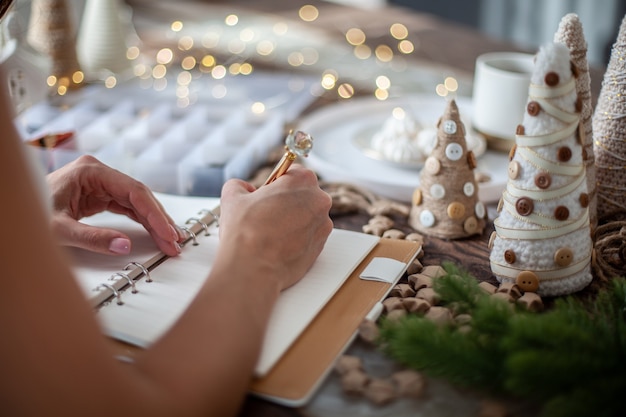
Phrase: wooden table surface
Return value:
(439, 43)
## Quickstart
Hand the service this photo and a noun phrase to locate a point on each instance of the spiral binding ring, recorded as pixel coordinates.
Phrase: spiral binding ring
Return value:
(133, 289)
(192, 234)
(201, 223)
(143, 269)
(216, 218)
(114, 291)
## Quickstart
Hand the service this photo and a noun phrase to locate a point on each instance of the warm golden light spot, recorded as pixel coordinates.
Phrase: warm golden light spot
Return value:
(184, 78)
(51, 80)
(257, 108)
(61, 90)
(398, 113)
(355, 36)
(399, 31)
(406, 47)
(308, 13)
(295, 59)
(208, 61)
(218, 72)
(246, 69)
(381, 94)
(451, 84)
(345, 90)
(188, 63)
(176, 26)
(383, 53)
(383, 82)
(164, 56)
(78, 77)
(362, 51)
(265, 48)
(234, 68)
(185, 43)
(231, 20)
(132, 52)
(139, 70)
(441, 90)
(110, 81)
(159, 71)
(329, 81)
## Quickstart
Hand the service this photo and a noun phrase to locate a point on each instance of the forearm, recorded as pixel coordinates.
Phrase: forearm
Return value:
(208, 359)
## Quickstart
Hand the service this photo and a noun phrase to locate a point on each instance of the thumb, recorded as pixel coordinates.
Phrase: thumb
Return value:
(92, 238)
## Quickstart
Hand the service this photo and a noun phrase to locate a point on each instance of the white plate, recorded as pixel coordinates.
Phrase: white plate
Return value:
(335, 157)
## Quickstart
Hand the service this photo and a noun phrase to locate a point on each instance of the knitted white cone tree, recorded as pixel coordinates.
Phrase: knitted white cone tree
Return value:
(446, 204)
(542, 239)
(609, 130)
(570, 33)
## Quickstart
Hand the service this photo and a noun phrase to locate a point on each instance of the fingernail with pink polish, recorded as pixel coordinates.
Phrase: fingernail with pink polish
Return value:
(120, 246)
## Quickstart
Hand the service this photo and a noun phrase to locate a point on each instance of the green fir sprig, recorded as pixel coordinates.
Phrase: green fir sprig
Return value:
(570, 359)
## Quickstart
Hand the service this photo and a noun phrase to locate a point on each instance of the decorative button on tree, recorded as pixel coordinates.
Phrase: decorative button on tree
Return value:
(570, 33)
(542, 239)
(446, 203)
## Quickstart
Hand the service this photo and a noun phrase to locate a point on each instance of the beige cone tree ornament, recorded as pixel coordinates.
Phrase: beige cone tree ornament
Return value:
(609, 131)
(51, 32)
(102, 39)
(542, 239)
(570, 33)
(446, 204)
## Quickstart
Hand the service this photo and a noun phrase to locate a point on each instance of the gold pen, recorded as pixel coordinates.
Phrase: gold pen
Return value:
(296, 144)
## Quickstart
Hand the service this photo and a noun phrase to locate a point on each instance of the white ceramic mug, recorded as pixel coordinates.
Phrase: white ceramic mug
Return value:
(501, 82)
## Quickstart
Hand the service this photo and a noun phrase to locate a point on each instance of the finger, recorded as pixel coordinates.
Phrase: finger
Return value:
(234, 187)
(144, 208)
(91, 238)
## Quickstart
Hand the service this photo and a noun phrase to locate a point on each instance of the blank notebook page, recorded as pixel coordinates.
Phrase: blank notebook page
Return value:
(148, 314)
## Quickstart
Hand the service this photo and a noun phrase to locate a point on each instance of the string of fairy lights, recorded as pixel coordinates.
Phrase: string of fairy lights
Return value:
(195, 56)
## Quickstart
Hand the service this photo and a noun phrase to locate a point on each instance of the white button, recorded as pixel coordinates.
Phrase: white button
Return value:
(432, 165)
(427, 218)
(454, 151)
(468, 189)
(480, 210)
(437, 191)
(449, 126)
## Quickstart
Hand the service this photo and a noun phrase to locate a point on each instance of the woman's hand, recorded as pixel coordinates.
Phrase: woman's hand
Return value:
(280, 227)
(85, 187)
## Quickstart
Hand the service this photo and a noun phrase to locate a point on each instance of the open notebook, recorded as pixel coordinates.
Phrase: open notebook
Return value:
(140, 296)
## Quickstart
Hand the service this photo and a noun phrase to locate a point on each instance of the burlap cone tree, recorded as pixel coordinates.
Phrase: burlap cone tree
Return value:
(570, 33)
(542, 236)
(51, 32)
(609, 130)
(446, 204)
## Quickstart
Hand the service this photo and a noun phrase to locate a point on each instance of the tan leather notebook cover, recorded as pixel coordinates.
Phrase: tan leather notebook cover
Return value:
(296, 376)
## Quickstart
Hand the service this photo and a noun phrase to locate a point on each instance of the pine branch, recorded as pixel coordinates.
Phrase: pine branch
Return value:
(570, 358)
